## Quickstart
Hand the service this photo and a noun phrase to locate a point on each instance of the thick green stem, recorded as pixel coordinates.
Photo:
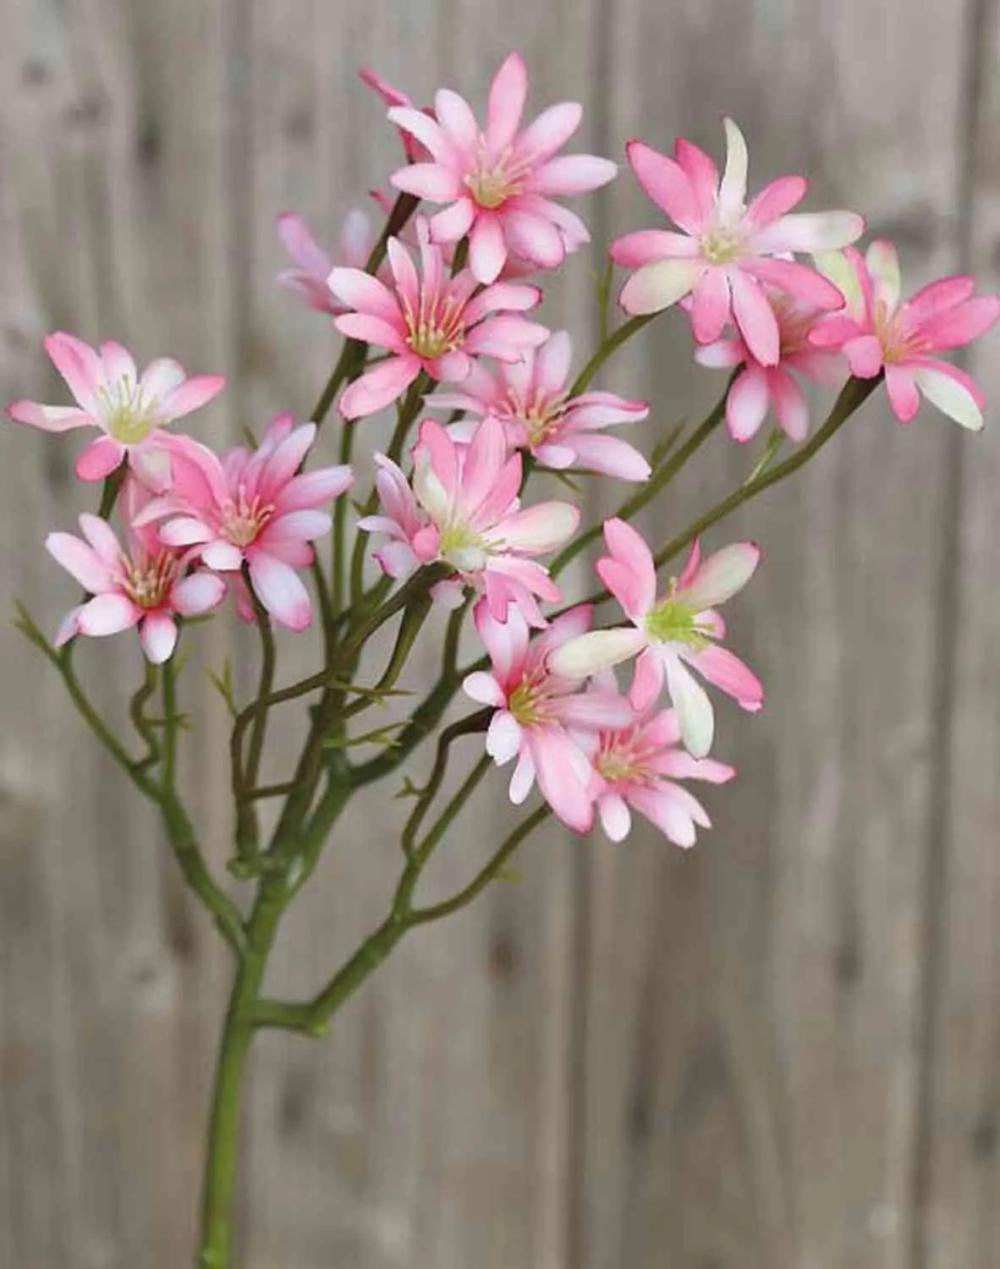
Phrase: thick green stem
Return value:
(608, 346)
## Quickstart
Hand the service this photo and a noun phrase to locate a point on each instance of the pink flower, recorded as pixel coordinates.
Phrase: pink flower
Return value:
(758, 388)
(638, 766)
(428, 322)
(414, 151)
(464, 509)
(670, 633)
(530, 399)
(498, 182)
(727, 250)
(111, 396)
(146, 586)
(254, 508)
(309, 278)
(535, 710)
(878, 333)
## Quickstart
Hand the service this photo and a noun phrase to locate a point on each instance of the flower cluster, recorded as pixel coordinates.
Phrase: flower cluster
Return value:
(773, 294)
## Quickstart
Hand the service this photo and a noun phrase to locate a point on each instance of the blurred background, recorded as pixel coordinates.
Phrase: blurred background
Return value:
(779, 1049)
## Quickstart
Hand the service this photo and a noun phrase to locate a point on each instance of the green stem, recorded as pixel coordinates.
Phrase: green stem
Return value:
(607, 347)
(244, 777)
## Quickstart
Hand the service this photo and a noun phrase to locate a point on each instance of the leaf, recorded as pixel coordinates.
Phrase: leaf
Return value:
(223, 684)
(377, 736)
(774, 442)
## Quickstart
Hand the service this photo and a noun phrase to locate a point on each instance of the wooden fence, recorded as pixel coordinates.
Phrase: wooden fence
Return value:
(779, 1049)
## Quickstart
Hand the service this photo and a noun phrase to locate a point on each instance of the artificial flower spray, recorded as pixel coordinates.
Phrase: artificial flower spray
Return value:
(600, 705)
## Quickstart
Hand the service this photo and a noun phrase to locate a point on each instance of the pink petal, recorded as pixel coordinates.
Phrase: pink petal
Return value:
(487, 248)
(503, 738)
(50, 418)
(454, 221)
(790, 404)
(190, 396)
(657, 286)
(963, 323)
(710, 310)
(285, 461)
(119, 365)
(281, 591)
(629, 548)
(79, 365)
(558, 765)
(508, 93)
(747, 403)
(379, 387)
(647, 683)
(552, 362)
(616, 820)
(864, 356)
(197, 594)
(158, 636)
(645, 246)
(534, 238)
(834, 332)
(301, 245)
(595, 651)
(728, 673)
(404, 274)
(99, 459)
(302, 526)
(365, 294)
(594, 710)
(952, 391)
(484, 461)
(572, 174)
(902, 389)
(80, 561)
(938, 297)
(313, 488)
(701, 172)
(774, 200)
(501, 297)
(457, 121)
(609, 455)
(666, 811)
(538, 529)
(102, 537)
(722, 355)
(798, 280)
(107, 615)
(667, 184)
(432, 181)
(185, 531)
(720, 576)
(549, 132)
(374, 331)
(523, 779)
(224, 557)
(161, 377)
(484, 689)
(755, 318)
(694, 709)
(810, 231)
(427, 131)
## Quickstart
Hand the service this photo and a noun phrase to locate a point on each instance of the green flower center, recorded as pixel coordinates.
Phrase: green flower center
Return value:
(462, 546)
(721, 246)
(129, 416)
(524, 704)
(674, 622)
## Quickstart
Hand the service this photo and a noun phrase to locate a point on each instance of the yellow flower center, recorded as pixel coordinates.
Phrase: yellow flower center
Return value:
(540, 417)
(437, 329)
(129, 416)
(243, 519)
(148, 581)
(897, 343)
(721, 246)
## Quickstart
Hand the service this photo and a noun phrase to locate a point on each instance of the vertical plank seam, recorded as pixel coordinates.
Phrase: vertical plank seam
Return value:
(944, 687)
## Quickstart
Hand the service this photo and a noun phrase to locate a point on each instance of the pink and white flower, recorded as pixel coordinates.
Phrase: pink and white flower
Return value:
(536, 711)
(727, 251)
(429, 322)
(499, 182)
(126, 407)
(757, 389)
(669, 633)
(253, 508)
(148, 585)
(530, 398)
(309, 278)
(636, 768)
(463, 509)
(879, 334)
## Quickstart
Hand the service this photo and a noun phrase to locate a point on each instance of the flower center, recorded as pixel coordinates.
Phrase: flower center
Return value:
(529, 701)
(130, 417)
(463, 546)
(494, 180)
(618, 764)
(674, 622)
(244, 518)
(148, 580)
(539, 417)
(721, 246)
(897, 343)
(437, 328)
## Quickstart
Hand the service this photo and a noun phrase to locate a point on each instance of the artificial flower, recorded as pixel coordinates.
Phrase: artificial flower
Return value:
(126, 407)
(726, 251)
(499, 182)
(669, 633)
(463, 509)
(879, 334)
(428, 322)
(531, 399)
(310, 277)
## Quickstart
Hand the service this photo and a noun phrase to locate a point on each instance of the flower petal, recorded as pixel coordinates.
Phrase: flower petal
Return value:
(99, 459)
(505, 105)
(281, 591)
(433, 181)
(733, 188)
(158, 636)
(657, 286)
(710, 310)
(378, 387)
(80, 560)
(666, 183)
(107, 615)
(810, 231)
(487, 248)
(728, 673)
(80, 366)
(645, 246)
(503, 738)
(595, 651)
(951, 392)
(721, 575)
(197, 594)
(755, 318)
(616, 819)
(747, 403)
(572, 174)
(694, 709)
(365, 294)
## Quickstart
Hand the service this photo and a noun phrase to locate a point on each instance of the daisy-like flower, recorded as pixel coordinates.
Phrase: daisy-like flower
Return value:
(463, 509)
(636, 768)
(428, 321)
(727, 251)
(758, 389)
(252, 507)
(879, 333)
(670, 633)
(310, 277)
(536, 710)
(530, 398)
(499, 182)
(126, 407)
(146, 585)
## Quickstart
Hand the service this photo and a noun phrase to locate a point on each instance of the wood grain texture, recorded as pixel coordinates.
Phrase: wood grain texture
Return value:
(778, 1050)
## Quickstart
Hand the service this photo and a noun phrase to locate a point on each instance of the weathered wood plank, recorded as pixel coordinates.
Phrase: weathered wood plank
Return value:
(751, 1008)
